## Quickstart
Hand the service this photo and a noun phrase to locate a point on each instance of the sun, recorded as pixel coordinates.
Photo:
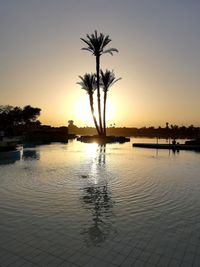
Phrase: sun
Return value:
(83, 112)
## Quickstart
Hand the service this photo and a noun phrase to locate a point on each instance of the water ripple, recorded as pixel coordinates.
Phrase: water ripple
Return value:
(100, 190)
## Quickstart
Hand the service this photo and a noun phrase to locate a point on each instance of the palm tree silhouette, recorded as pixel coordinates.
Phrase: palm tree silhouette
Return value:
(96, 45)
(88, 83)
(107, 79)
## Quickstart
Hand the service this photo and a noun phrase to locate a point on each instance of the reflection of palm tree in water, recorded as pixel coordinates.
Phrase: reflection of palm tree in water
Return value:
(102, 154)
(97, 199)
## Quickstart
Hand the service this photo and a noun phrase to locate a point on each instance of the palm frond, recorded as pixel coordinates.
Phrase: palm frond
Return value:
(110, 51)
(90, 45)
(85, 41)
(105, 41)
(88, 82)
(87, 49)
(107, 79)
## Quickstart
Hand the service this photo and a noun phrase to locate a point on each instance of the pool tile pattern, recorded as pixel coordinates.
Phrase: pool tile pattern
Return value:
(146, 247)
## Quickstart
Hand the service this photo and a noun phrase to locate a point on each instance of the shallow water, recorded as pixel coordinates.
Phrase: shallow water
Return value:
(86, 196)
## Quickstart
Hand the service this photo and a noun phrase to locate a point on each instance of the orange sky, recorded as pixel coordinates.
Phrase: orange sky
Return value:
(158, 59)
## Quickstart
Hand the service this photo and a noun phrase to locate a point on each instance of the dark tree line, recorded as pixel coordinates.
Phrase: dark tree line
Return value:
(172, 131)
(12, 118)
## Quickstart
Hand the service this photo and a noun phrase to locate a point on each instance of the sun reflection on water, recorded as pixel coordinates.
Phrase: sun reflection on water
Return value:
(91, 149)
(97, 154)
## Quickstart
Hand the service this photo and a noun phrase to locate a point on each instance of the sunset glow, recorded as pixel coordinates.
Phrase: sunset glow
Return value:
(158, 59)
(83, 112)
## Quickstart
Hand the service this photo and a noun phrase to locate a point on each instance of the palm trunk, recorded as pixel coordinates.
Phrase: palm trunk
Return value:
(104, 112)
(98, 93)
(93, 115)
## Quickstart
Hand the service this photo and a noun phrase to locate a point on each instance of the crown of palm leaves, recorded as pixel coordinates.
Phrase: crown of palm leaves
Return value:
(88, 82)
(107, 79)
(96, 44)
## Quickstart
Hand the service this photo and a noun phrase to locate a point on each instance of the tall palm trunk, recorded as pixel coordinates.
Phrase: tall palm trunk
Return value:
(93, 115)
(98, 93)
(104, 112)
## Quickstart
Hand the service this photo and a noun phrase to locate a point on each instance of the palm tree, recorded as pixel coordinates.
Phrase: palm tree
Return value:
(96, 44)
(88, 83)
(106, 81)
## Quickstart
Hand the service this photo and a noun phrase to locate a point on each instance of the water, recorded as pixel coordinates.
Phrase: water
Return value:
(69, 200)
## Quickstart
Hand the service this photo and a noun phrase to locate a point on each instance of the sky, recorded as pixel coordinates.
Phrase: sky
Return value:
(158, 59)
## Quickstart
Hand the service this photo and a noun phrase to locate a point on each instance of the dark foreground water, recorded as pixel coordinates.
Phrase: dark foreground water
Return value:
(81, 204)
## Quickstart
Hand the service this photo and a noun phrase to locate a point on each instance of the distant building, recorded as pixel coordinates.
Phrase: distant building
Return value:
(71, 127)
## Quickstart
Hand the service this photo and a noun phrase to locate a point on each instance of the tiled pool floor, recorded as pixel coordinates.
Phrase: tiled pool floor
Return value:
(142, 248)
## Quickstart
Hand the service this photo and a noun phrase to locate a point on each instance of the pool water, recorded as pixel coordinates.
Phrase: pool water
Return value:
(79, 204)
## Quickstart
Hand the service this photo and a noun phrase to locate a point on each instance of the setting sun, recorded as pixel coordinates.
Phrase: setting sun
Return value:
(83, 112)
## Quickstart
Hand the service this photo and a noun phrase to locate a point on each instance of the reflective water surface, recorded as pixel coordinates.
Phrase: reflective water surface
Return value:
(73, 197)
